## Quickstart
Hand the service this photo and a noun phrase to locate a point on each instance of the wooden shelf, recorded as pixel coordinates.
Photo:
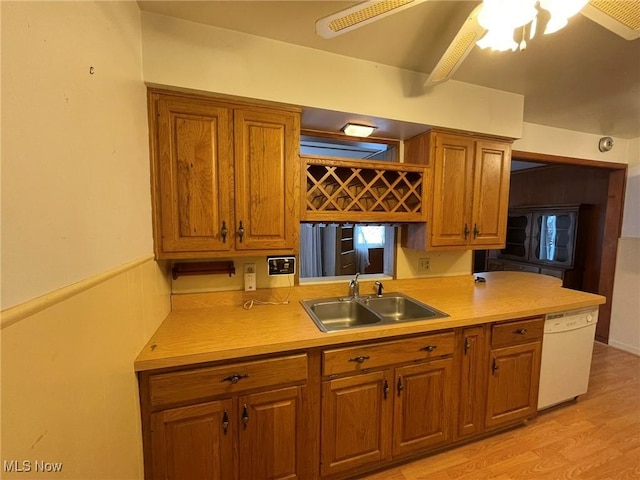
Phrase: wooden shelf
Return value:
(361, 191)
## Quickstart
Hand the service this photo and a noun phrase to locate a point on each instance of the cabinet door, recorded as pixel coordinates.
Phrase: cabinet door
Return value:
(356, 421)
(193, 442)
(268, 439)
(513, 384)
(452, 191)
(267, 183)
(192, 170)
(422, 406)
(472, 382)
(490, 194)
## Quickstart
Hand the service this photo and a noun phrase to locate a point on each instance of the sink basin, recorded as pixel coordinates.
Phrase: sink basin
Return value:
(336, 314)
(331, 314)
(397, 307)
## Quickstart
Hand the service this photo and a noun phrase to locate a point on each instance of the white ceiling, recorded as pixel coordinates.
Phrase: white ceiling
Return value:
(583, 78)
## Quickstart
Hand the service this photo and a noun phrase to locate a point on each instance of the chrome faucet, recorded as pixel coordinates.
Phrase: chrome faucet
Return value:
(380, 287)
(354, 287)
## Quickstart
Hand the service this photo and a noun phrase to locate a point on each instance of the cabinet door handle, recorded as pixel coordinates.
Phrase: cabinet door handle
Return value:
(225, 421)
(245, 416)
(241, 231)
(521, 331)
(466, 231)
(385, 388)
(476, 232)
(360, 359)
(495, 367)
(400, 385)
(235, 378)
(224, 231)
(429, 348)
(467, 345)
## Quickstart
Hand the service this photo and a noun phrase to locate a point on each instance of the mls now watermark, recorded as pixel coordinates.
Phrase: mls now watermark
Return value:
(25, 466)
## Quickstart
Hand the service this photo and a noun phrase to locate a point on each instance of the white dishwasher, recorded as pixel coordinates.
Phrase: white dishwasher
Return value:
(567, 348)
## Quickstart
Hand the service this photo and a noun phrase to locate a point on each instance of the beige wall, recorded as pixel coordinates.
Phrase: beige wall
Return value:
(196, 56)
(75, 206)
(625, 308)
(75, 162)
(69, 392)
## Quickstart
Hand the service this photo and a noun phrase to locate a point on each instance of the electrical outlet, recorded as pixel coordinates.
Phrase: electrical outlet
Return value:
(249, 277)
(424, 264)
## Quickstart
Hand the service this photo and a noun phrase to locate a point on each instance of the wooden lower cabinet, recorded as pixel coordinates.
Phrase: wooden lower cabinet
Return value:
(513, 384)
(421, 418)
(374, 417)
(356, 421)
(473, 380)
(198, 441)
(192, 442)
(268, 443)
(339, 412)
(516, 349)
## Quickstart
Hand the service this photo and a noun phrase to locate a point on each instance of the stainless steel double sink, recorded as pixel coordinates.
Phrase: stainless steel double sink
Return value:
(340, 313)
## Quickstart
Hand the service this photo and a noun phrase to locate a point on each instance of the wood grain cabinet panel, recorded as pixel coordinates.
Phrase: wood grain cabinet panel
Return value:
(192, 170)
(267, 172)
(513, 384)
(356, 421)
(192, 442)
(470, 183)
(422, 415)
(269, 443)
(225, 177)
(473, 380)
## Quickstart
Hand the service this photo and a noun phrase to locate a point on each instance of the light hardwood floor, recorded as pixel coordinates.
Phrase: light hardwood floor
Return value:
(595, 438)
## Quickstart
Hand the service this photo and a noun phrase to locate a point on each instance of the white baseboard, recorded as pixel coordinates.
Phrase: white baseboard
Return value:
(627, 348)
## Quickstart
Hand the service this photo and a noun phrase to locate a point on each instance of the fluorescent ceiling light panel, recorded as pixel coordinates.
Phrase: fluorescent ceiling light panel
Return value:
(357, 130)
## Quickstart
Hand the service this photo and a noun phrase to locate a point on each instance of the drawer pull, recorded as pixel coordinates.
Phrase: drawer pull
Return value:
(225, 422)
(385, 389)
(521, 331)
(235, 378)
(360, 359)
(400, 385)
(245, 416)
(495, 367)
(467, 345)
(429, 348)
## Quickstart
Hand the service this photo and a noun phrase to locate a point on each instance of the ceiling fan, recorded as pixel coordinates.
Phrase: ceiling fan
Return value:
(621, 17)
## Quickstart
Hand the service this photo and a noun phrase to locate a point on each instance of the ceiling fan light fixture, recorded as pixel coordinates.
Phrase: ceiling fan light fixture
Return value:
(359, 15)
(561, 11)
(358, 130)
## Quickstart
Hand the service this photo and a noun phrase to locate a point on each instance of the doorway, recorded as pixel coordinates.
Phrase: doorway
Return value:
(564, 180)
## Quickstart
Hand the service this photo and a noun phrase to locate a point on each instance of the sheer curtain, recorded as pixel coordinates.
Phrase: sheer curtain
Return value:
(311, 251)
(366, 237)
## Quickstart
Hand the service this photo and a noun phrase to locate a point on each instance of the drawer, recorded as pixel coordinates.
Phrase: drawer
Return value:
(374, 355)
(203, 383)
(520, 331)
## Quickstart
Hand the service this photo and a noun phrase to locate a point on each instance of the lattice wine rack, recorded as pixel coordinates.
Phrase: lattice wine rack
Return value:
(364, 191)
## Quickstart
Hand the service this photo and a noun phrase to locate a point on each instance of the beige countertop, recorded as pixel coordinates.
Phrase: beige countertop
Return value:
(207, 327)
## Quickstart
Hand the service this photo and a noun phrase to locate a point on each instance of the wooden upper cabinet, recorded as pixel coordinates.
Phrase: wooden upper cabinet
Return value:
(452, 191)
(225, 177)
(191, 176)
(470, 192)
(267, 172)
(490, 193)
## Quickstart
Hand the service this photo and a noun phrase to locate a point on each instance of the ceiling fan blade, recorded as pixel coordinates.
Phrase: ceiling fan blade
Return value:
(359, 15)
(622, 18)
(458, 50)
